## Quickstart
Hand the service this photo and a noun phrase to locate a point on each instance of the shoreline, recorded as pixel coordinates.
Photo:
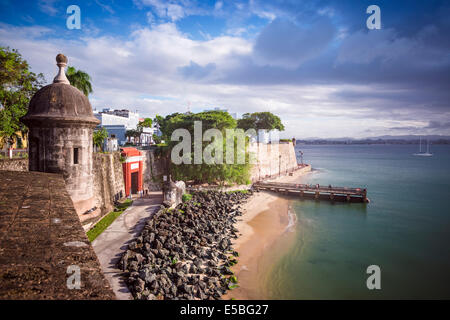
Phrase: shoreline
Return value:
(262, 229)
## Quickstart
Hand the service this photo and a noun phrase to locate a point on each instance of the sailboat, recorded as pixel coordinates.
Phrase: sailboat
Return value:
(424, 154)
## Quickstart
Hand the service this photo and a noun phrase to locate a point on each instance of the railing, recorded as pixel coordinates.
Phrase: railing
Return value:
(312, 188)
(317, 191)
(14, 154)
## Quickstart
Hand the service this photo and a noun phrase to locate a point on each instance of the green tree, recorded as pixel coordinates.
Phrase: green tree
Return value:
(99, 137)
(260, 120)
(200, 173)
(157, 138)
(17, 85)
(146, 123)
(162, 123)
(79, 79)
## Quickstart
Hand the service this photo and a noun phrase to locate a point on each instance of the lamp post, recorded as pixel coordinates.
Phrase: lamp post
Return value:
(301, 156)
(259, 170)
(279, 165)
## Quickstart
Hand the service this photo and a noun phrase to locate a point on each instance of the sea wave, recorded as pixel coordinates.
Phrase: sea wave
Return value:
(292, 220)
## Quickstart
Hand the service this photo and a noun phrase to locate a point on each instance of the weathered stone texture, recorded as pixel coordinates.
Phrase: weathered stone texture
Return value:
(52, 150)
(108, 180)
(40, 236)
(271, 159)
(61, 124)
(14, 164)
(154, 168)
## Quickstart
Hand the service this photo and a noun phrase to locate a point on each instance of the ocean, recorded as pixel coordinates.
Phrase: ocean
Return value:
(405, 229)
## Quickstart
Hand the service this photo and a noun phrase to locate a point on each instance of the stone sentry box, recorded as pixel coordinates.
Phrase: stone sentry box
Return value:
(61, 124)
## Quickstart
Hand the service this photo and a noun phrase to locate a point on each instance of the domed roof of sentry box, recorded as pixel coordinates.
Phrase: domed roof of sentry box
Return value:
(60, 102)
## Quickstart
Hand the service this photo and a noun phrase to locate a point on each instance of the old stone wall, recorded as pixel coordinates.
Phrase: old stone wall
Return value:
(66, 150)
(108, 180)
(42, 241)
(14, 164)
(155, 166)
(271, 159)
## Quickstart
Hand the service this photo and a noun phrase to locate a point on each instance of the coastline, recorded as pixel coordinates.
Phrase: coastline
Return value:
(263, 238)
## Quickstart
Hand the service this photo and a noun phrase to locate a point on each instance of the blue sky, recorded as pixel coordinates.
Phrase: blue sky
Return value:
(312, 62)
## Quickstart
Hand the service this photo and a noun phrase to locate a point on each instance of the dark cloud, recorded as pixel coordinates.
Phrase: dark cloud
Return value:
(399, 72)
(285, 44)
(438, 125)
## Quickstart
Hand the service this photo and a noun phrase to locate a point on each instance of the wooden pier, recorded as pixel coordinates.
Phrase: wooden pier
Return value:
(317, 192)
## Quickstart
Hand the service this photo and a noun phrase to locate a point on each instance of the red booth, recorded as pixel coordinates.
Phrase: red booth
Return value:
(132, 170)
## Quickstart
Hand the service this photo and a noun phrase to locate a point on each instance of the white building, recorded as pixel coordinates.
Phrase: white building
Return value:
(111, 144)
(111, 117)
(118, 122)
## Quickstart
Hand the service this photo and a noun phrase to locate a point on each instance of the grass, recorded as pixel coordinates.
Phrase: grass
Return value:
(245, 191)
(107, 220)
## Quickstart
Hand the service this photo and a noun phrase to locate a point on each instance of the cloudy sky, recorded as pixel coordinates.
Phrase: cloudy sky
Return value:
(314, 63)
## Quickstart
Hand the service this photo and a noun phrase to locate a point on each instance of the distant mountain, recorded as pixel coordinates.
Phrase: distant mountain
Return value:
(387, 139)
(329, 139)
(410, 137)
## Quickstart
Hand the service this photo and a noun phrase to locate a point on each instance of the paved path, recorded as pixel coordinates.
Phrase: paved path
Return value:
(110, 245)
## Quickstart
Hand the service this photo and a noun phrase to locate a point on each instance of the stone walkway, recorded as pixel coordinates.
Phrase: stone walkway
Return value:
(110, 245)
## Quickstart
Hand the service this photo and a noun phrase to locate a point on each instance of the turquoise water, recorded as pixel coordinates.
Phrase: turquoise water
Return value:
(405, 230)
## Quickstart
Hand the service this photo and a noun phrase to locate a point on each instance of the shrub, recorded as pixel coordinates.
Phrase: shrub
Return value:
(186, 197)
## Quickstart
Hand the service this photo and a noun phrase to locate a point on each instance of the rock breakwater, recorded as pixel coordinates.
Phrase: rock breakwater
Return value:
(186, 252)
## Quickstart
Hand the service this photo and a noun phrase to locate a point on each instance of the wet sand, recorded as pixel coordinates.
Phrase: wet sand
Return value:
(264, 237)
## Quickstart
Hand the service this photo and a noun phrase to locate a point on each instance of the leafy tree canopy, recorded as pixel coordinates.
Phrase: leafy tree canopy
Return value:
(260, 120)
(163, 124)
(220, 120)
(79, 79)
(210, 119)
(17, 85)
(146, 123)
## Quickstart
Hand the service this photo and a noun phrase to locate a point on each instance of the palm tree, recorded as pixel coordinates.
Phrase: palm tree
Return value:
(79, 79)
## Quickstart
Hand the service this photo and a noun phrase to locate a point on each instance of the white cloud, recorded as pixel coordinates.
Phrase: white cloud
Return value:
(218, 5)
(150, 18)
(172, 10)
(175, 12)
(48, 6)
(105, 7)
(130, 72)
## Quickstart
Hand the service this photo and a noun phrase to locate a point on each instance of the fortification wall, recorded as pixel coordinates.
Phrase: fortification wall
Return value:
(271, 159)
(42, 240)
(14, 164)
(109, 184)
(108, 180)
(154, 167)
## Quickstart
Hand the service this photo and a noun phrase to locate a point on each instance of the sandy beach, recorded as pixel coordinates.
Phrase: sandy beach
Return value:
(263, 232)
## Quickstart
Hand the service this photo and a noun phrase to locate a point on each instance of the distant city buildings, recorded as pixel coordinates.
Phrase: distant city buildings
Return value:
(118, 122)
(111, 117)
